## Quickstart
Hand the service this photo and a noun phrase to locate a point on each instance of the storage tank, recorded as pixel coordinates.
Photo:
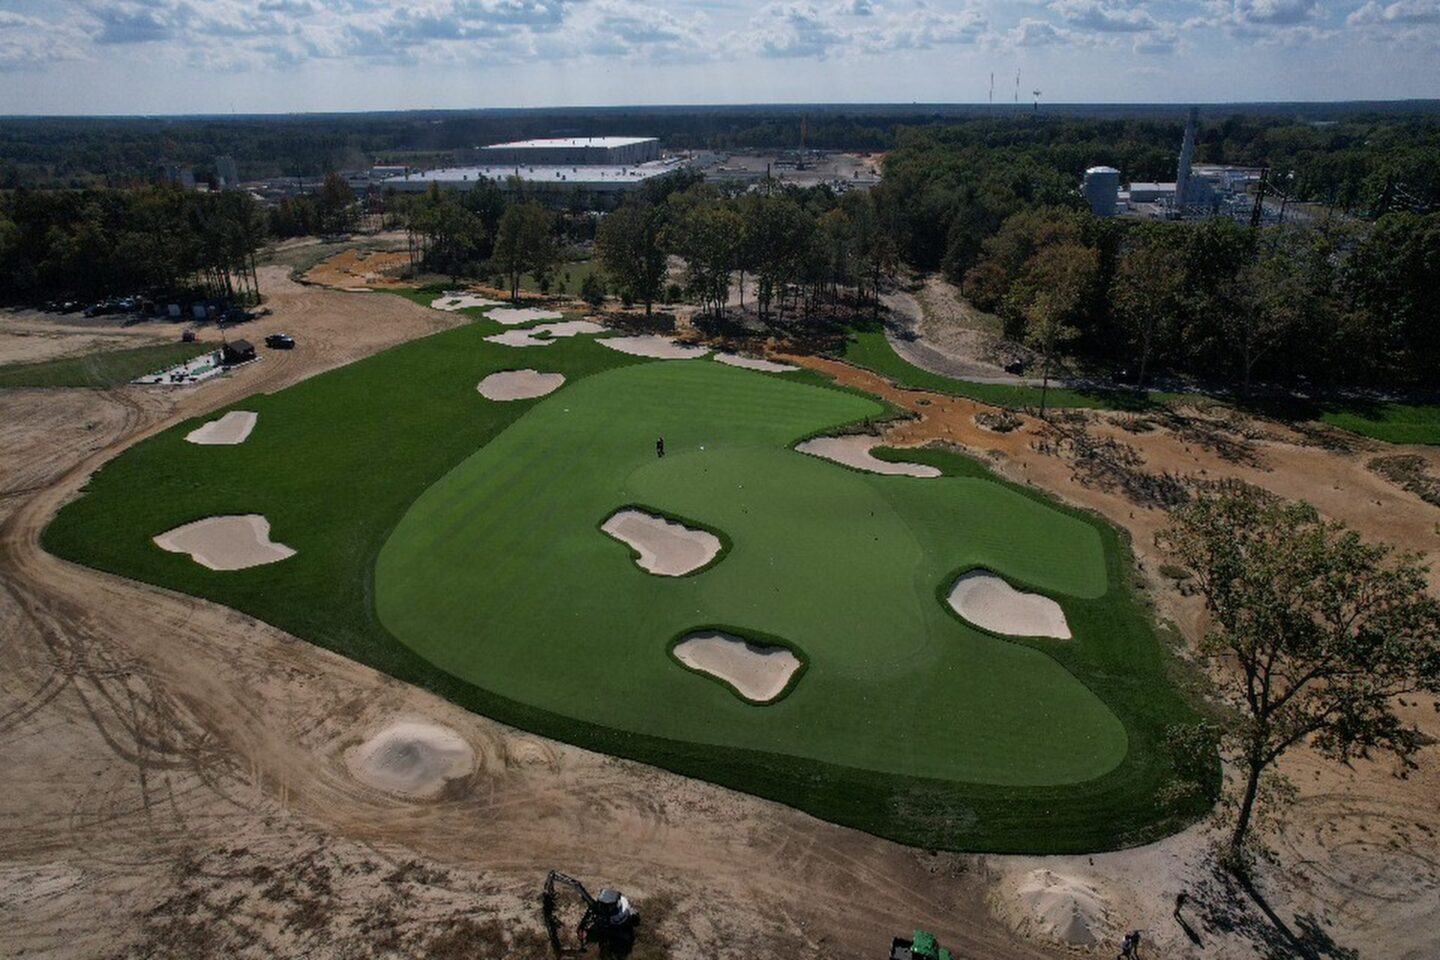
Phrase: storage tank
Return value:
(1102, 187)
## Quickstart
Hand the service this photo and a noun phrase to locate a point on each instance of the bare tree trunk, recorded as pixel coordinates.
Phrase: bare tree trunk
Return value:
(1247, 808)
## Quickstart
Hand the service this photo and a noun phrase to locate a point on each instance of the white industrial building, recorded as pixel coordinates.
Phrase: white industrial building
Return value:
(564, 151)
(593, 178)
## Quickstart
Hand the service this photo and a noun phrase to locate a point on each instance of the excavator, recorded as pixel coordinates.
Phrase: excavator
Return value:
(608, 922)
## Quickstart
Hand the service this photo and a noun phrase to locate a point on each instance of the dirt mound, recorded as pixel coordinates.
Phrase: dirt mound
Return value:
(226, 543)
(519, 384)
(854, 451)
(988, 601)
(666, 548)
(411, 758)
(759, 673)
(232, 428)
(1050, 906)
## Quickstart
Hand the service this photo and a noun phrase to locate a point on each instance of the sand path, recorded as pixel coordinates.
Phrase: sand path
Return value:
(992, 604)
(759, 673)
(667, 548)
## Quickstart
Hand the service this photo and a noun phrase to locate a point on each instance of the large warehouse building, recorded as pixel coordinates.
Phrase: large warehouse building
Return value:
(564, 151)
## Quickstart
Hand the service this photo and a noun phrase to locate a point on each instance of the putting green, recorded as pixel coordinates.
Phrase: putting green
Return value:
(499, 576)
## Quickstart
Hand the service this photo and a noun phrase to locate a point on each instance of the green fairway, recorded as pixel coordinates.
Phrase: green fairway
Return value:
(1391, 422)
(452, 542)
(108, 369)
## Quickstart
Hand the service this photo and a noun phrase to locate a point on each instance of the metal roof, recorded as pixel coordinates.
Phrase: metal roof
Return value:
(542, 143)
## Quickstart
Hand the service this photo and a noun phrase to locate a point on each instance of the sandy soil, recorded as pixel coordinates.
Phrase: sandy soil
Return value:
(937, 331)
(460, 300)
(650, 345)
(355, 269)
(176, 783)
(666, 548)
(226, 543)
(230, 429)
(1359, 862)
(758, 672)
(992, 604)
(524, 384)
(30, 336)
(511, 316)
(854, 451)
(411, 758)
(753, 363)
(542, 334)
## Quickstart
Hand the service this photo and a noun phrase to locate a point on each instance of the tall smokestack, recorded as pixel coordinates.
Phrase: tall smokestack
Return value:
(1187, 153)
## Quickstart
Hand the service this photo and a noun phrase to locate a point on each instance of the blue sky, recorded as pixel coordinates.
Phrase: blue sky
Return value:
(181, 56)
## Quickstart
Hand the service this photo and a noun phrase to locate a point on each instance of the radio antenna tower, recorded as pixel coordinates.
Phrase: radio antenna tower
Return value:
(992, 88)
(1017, 86)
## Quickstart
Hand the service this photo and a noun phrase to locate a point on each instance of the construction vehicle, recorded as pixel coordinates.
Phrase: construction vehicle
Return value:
(923, 947)
(608, 922)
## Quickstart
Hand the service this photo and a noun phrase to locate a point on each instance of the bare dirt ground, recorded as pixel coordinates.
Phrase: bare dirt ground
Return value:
(30, 336)
(1359, 858)
(938, 331)
(174, 771)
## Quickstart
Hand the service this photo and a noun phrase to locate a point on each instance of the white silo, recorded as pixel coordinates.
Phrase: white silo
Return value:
(1102, 188)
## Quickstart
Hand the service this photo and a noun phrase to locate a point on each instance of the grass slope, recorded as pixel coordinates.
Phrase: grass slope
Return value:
(1391, 422)
(335, 463)
(106, 369)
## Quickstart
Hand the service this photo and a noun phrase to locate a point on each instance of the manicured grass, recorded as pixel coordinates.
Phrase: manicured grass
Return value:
(907, 723)
(106, 369)
(870, 349)
(1391, 422)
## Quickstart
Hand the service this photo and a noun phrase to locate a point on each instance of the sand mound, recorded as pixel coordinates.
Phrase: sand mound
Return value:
(1059, 908)
(988, 601)
(411, 758)
(226, 543)
(854, 451)
(519, 384)
(542, 335)
(666, 548)
(510, 316)
(758, 673)
(753, 363)
(460, 300)
(661, 348)
(232, 428)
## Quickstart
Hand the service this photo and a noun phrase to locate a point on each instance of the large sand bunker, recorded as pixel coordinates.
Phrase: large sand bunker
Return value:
(753, 363)
(661, 348)
(226, 543)
(411, 759)
(854, 451)
(758, 673)
(519, 384)
(456, 300)
(542, 335)
(510, 316)
(989, 602)
(232, 428)
(1049, 906)
(666, 548)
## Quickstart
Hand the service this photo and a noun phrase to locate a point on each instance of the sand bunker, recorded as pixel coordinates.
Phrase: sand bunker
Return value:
(666, 548)
(753, 363)
(411, 759)
(232, 428)
(460, 300)
(989, 602)
(513, 315)
(519, 384)
(854, 451)
(1062, 909)
(758, 673)
(226, 543)
(544, 334)
(661, 348)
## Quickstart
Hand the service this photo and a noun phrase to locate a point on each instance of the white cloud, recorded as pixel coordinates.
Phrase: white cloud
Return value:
(1091, 15)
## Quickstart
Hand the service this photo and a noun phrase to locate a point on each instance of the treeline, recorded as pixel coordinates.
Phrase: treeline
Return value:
(152, 241)
(1343, 305)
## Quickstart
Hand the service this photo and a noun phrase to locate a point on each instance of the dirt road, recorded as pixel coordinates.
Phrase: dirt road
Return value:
(175, 787)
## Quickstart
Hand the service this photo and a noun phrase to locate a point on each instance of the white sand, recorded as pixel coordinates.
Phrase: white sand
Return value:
(1062, 909)
(513, 315)
(519, 384)
(854, 451)
(232, 428)
(460, 300)
(661, 348)
(758, 673)
(988, 601)
(666, 548)
(753, 363)
(412, 759)
(542, 335)
(226, 543)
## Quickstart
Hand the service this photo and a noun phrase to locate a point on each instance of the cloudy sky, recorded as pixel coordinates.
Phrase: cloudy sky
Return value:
(249, 56)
